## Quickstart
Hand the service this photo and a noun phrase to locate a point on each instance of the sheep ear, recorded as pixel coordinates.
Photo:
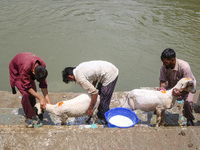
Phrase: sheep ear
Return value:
(185, 84)
(190, 82)
(37, 109)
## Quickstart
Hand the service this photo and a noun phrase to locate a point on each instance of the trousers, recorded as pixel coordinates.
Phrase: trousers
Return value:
(105, 93)
(28, 101)
(188, 105)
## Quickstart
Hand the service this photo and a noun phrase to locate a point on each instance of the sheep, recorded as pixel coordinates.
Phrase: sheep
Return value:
(153, 100)
(75, 107)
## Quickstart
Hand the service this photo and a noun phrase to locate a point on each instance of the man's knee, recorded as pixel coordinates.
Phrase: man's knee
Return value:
(25, 94)
(188, 104)
(27, 97)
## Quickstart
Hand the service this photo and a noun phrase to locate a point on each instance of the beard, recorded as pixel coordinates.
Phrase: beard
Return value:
(167, 67)
(170, 66)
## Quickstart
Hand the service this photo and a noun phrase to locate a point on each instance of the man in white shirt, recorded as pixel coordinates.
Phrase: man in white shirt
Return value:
(102, 72)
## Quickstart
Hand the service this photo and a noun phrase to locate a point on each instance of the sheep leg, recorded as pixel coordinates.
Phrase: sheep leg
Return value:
(131, 102)
(162, 117)
(158, 112)
(63, 120)
(95, 118)
(88, 120)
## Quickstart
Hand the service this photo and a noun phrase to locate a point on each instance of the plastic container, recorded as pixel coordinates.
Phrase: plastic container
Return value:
(123, 112)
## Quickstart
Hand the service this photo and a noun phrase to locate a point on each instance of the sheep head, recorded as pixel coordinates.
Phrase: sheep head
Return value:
(186, 84)
(39, 112)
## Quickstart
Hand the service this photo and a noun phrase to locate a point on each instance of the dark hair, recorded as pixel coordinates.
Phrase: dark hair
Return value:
(40, 73)
(168, 54)
(67, 71)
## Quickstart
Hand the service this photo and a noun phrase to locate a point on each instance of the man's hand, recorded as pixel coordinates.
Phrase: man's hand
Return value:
(162, 86)
(42, 104)
(176, 92)
(40, 98)
(92, 103)
(13, 90)
(161, 89)
(90, 111)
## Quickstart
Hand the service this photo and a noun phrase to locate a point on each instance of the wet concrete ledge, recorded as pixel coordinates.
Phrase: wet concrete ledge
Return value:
(14, 135)
(73, 138)
(11, 112)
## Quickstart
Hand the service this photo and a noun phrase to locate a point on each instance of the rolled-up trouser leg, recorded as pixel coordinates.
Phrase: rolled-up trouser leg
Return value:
(188, 106)
(188, 110)
(28, 100)
(105, 97)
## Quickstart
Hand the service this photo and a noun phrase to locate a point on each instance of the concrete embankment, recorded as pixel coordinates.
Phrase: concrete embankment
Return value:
(73, 138)
(14, 134)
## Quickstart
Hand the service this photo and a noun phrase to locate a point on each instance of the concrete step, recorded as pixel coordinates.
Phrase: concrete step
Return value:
(16, 116)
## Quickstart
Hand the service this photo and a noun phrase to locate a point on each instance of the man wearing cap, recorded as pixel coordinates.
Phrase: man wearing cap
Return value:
(87, 75)
(172, 70)
(24, 68)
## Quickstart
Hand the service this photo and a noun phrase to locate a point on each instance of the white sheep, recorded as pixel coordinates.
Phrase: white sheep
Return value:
(75, 107)
(153, 100)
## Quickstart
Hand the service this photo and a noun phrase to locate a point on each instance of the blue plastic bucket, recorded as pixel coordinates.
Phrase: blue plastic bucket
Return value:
(124, 112)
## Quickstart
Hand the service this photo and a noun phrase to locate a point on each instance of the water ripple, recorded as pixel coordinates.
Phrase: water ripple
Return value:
(131, 34)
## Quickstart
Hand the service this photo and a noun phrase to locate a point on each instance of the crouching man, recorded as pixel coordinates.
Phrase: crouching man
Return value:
(102, 72)
(24, 68)
(171, 72)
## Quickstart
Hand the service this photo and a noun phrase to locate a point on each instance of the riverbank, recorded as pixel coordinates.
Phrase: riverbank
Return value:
(73, 138)
(50, 137)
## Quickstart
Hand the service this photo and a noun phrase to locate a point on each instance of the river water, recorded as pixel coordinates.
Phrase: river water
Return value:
(129, 33)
